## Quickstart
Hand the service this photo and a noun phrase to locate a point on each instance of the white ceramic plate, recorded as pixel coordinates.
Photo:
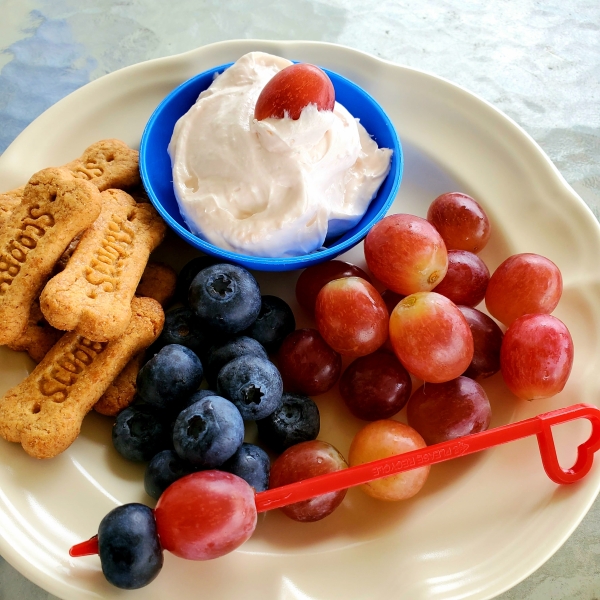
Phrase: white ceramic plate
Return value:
(482, 523)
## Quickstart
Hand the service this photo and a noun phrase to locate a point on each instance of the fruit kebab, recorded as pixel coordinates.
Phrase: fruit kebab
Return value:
(210, 513)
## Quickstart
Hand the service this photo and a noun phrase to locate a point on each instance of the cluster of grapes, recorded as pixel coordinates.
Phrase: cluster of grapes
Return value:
(428, 333)
(425, 324)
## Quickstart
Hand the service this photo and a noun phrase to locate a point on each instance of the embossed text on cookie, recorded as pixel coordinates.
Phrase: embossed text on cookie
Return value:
(28, 232)
(67, 369)
(105, 267)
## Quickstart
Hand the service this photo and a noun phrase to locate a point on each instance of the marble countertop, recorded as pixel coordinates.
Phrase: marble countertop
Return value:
(539, 62)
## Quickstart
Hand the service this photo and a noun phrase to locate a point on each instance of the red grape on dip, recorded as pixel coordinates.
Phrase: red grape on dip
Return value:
(293, 89)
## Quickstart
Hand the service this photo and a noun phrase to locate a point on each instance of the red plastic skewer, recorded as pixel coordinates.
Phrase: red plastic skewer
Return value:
(541, 426)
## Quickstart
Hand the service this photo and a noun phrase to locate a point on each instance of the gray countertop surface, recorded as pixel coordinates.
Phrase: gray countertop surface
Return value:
(538, 61)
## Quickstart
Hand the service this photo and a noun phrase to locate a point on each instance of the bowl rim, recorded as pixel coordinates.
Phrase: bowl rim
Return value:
(272, 263)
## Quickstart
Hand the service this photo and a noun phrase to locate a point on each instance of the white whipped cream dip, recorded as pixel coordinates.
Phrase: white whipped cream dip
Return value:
(271, 188)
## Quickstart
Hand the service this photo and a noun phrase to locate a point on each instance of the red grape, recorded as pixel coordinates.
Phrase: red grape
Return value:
(461, 221)
(205, 515)
(382, 439)
(351, 316)
(523, 284)
(406, 254)
(431, 337)
(466, 280)
(307, 364)
(375, 387)
(487, 339)
(311, 280)
(293, 89)
(536, 356)
(445, 411)
(304, 460)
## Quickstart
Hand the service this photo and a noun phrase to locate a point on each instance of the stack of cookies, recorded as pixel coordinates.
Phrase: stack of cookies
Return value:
(77, 293)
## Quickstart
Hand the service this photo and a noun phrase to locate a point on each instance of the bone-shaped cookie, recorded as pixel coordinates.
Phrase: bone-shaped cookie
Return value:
(92, 296)
(107, 164)
(45, 411)
(55, 208)
(158, 282)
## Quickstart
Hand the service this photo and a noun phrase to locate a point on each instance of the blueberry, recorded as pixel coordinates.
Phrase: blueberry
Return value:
(195, 397)
(209, 432)
(225, 298)
(129, 548)
(169, 376)
(297, 420)
(188, 272)
(181, 327)
(275, 321)
(252, 464)
(140, 432)
(219, 356)
(164, 469)
(253, 384)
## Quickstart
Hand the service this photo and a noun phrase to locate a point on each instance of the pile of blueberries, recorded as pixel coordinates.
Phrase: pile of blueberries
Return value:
(223, 333)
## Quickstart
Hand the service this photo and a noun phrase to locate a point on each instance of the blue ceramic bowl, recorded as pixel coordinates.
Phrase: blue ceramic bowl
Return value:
(155, 168)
